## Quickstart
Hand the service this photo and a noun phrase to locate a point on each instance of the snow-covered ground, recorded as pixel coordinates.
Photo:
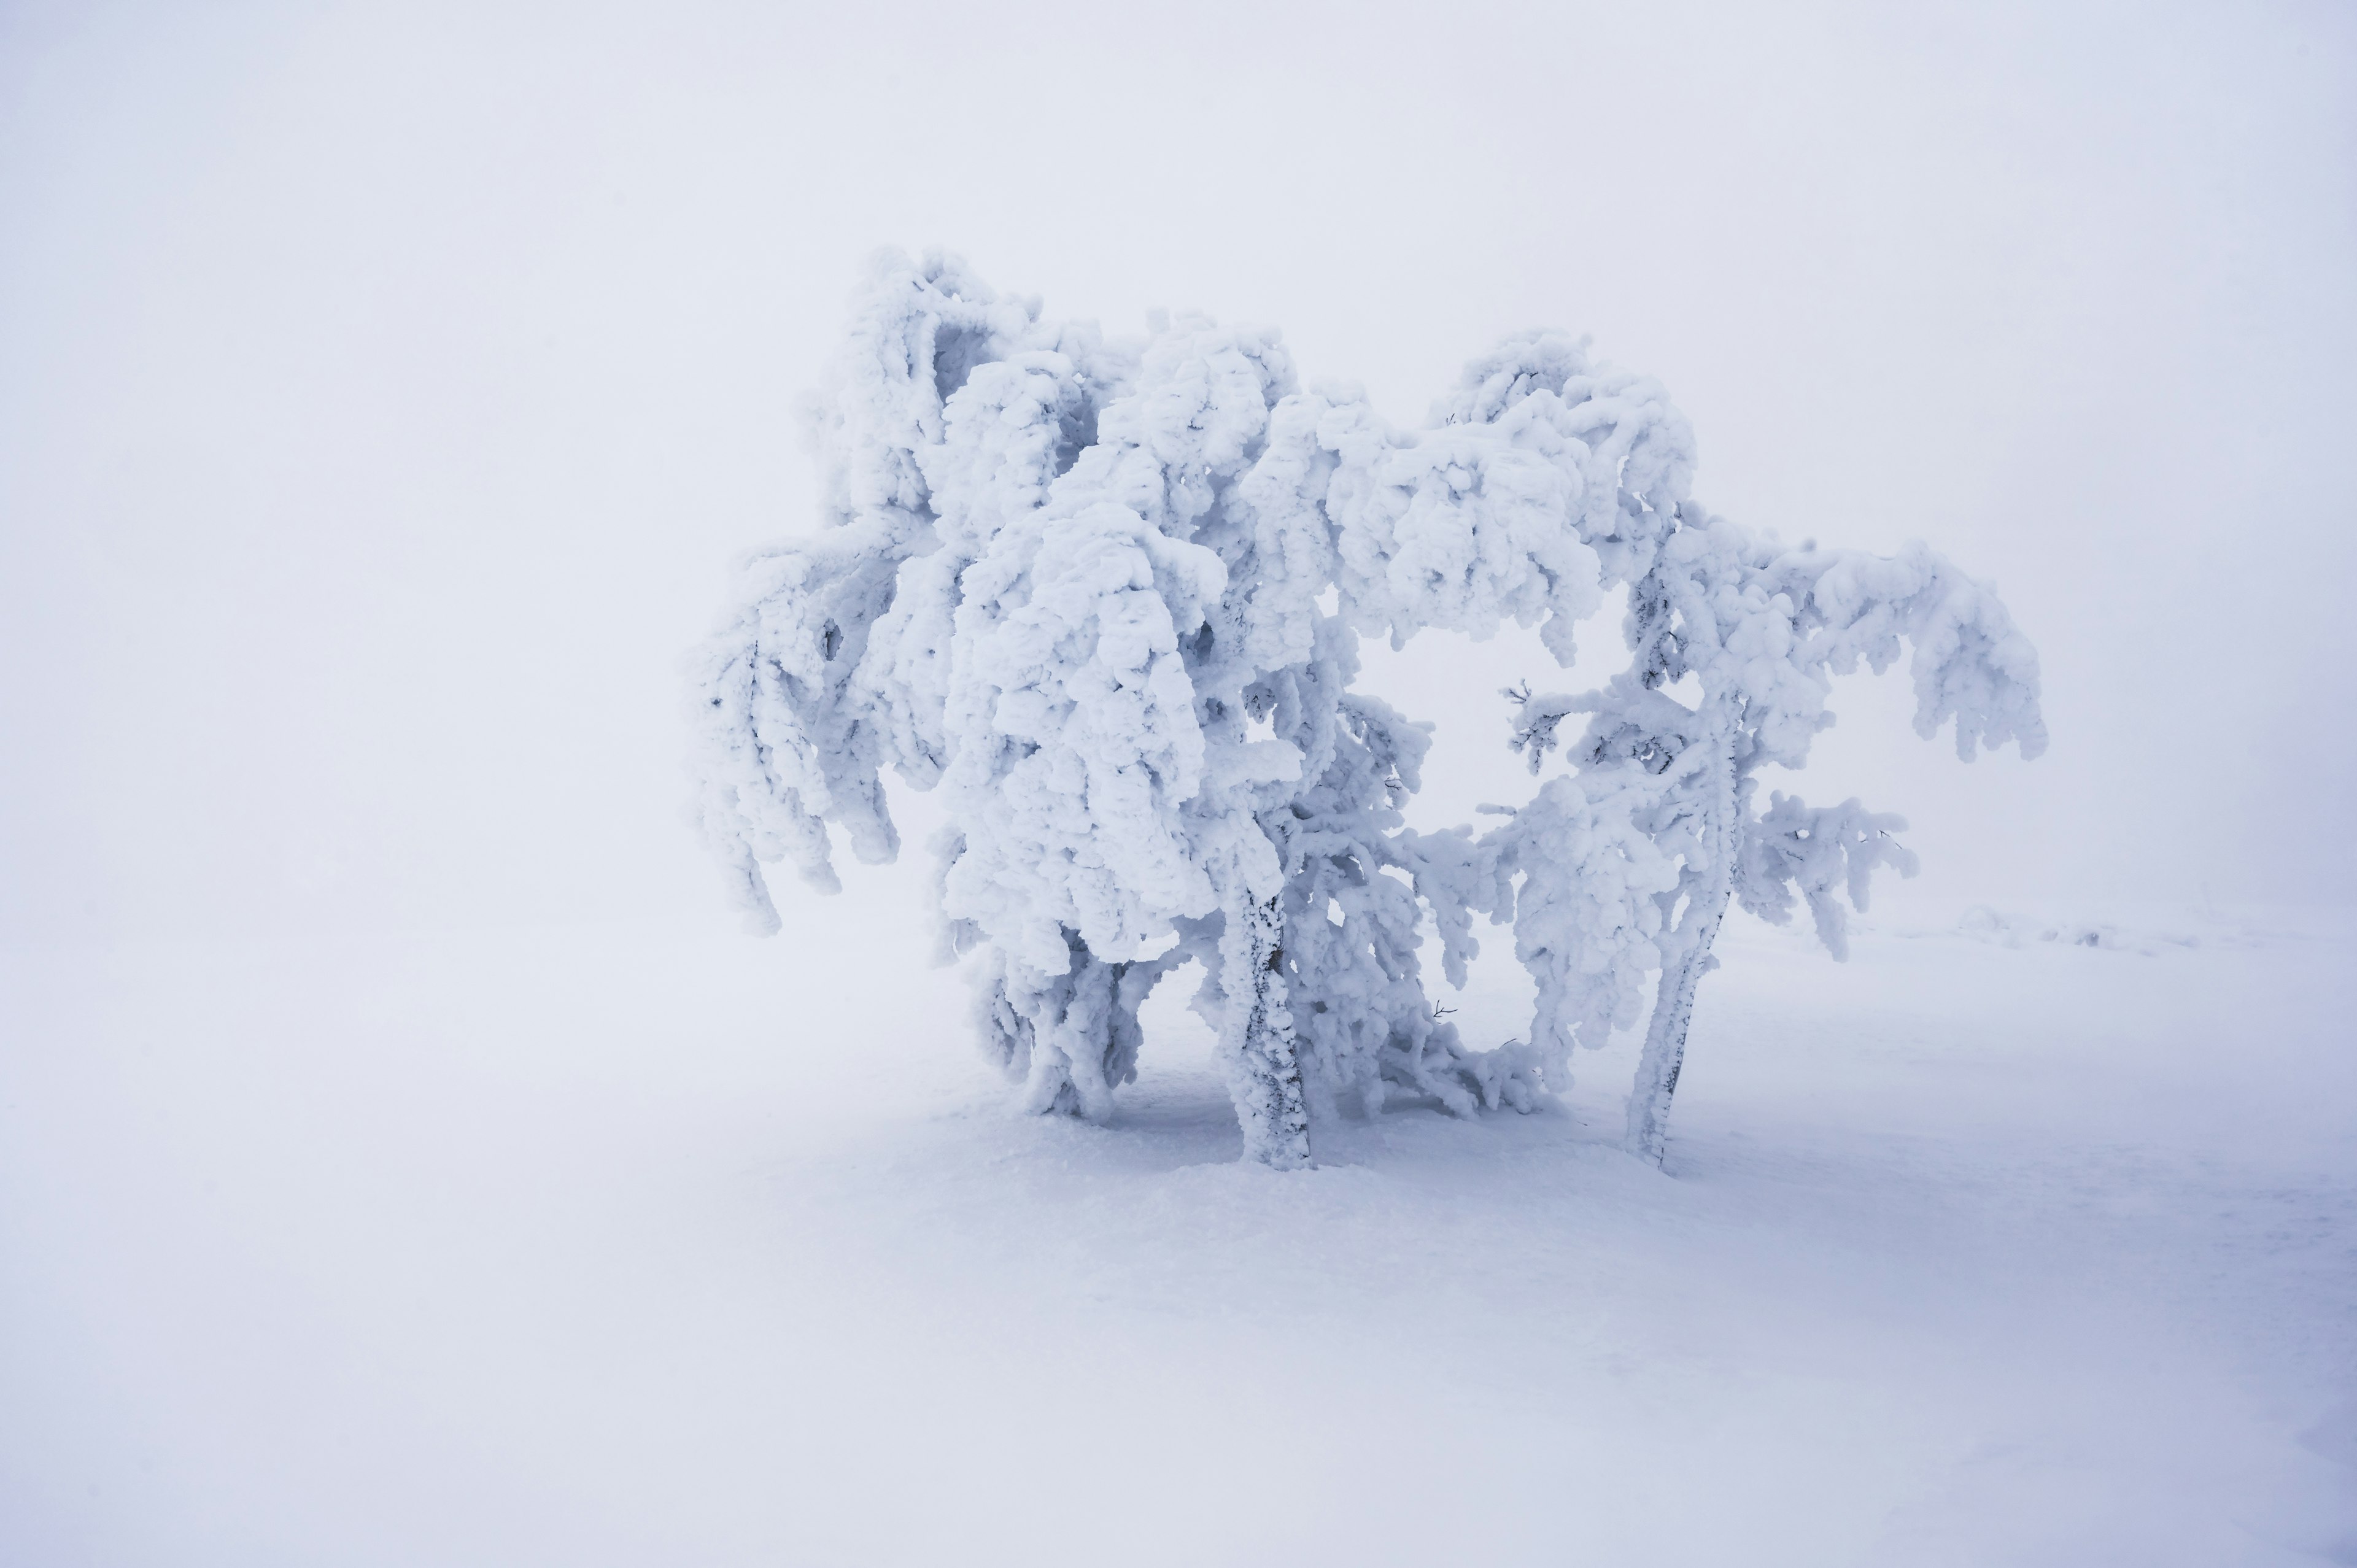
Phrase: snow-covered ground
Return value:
(600, 1246)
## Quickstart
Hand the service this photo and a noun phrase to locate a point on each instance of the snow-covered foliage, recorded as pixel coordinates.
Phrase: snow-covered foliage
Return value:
(1105, 596)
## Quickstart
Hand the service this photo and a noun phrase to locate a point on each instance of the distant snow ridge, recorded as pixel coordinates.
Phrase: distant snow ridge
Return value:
(1075, 584)
(1984, 924)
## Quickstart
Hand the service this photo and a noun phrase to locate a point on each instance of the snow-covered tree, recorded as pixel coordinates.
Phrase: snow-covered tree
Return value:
(1761, 629)
(1105, 596)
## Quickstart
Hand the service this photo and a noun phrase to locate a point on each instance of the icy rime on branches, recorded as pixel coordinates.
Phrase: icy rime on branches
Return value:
(1077, 586)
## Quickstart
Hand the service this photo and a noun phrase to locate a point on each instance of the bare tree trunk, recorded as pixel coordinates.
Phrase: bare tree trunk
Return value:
(1256, 1044)
(1665, 1037)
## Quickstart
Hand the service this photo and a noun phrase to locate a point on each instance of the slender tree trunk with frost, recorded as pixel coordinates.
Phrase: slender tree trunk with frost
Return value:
(1665, 1037)
(1256, 1044)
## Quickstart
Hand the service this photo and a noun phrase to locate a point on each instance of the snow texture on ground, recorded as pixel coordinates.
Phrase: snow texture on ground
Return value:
(595, 1246)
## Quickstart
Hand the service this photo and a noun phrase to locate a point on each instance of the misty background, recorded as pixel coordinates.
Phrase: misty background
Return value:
(385, 390)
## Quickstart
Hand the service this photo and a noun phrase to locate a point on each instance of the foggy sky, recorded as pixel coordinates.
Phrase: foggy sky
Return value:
(385, 390)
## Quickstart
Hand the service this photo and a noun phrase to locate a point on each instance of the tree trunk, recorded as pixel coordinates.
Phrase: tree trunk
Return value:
(1665, 1037)
(1256, 1044)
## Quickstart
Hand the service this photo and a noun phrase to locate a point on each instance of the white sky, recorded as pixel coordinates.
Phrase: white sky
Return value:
(384, 389)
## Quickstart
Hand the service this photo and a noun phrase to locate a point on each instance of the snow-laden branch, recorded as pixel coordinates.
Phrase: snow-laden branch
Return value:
(1819, 851)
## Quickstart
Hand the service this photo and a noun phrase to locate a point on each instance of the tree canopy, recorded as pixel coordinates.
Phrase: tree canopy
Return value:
(1106, 595)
